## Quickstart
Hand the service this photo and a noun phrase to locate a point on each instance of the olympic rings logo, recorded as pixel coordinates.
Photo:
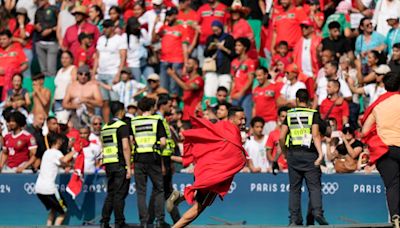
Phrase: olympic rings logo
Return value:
(29, 188)
(330, 188)
(132, 189)
(232, 187)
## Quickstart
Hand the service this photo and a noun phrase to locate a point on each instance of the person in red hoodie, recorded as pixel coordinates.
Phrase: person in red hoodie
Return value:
(217, 152)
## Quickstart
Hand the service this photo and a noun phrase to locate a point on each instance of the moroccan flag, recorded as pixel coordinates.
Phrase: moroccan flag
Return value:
(217, 152)
(75, 184)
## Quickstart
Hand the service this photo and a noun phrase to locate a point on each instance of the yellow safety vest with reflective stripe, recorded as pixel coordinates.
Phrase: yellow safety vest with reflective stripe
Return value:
(170, 147)
(145, 133)
(109, 139)
(297, 130)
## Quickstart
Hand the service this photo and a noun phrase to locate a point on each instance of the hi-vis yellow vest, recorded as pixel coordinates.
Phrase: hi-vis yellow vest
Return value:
(297, 130)
(170, 147)
(145, 132)
(110, 141)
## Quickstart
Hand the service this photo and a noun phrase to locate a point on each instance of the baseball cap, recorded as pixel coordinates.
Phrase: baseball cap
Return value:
(292, 68)
(62, 117)
(392, 15)
(83, 69)
(133, 105)
(157, 2)
(37, 76)
(348, 128)
(126, 70)
(154, 77)
(382, 69)
(307, 22)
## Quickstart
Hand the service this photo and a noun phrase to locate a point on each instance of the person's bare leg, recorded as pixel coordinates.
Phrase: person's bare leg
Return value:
(190, 215)
(59, 220)
(106, 111)
(50, 218)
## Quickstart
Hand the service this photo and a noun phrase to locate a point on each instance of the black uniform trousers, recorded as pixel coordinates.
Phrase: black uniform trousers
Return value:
(152, 170)
(117, 190)
(389, 168)
(168, 189)
(301, 166)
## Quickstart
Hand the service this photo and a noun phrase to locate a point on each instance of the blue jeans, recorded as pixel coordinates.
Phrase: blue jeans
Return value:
(141, 73)
(166, 81)
(246, 103)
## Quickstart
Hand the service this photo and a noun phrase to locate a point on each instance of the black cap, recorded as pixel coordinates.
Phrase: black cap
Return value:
(313, 2)
(348, 128)
(172, 11)
(37, 76)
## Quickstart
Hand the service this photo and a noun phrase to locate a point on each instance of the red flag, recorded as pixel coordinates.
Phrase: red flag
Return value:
(217, 152)
(377, 148)
(76, 182)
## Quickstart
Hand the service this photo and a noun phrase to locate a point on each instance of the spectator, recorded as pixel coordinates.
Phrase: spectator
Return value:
(211, 11)
(65, 76)
(7, 22)
(96, 17)
(41, 96)
(255, 146)
(336, 41)
(372, 90)
(128, 90)
(95, 130)
(368, 40)
(274, 153)
(220, 46)
(289, 89)
(384, 10)
(282, 53)
(317, 17)
(153, 18)
(330, 106)
(265, 95)
(192, 85)
(394, 62)
(187, 17)
(84, 54)
(306, 51)
(239, 27)
(65, 20)
(243, 69)
(12, 59)
(71, 39)
(53, 125)
(137, 39)
(92, 152)
(174, 50)
(340, 16)
(19, 146)
(222, 110)
(287, 24)
(115, 17)
(154, 86)
(393, 35)
(330, 73)
(82, 96)
(374, 60)
(30, 6)
(36, 130)
(17, 97)
(46, 40)
(23, 35)
(45, 186)
(110, 59)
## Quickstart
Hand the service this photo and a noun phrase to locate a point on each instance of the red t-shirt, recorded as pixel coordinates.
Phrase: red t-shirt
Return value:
(337, 112)
(11, 59)
(172, 39)
(82, 55)
(29, 28)
(71, 36)
(18, 147)
(287, 26)
(266, 97)
(191, 98)
(240, 72)
(188, 20)
(273, 144)
(207, 15)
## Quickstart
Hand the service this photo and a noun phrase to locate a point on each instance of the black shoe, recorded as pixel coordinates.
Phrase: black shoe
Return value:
(105, 225)
(123, 225)
(310, 220)
(321, 220)
(162, 225)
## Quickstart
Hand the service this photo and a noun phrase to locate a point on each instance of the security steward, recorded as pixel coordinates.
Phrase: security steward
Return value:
(117, 161)
(164, 105)
(301, 144)
(150, 139)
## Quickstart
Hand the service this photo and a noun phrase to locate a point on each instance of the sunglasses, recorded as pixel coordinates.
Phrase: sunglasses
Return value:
(96, 123)
(369, 24)
(151, 81)
(85, 74)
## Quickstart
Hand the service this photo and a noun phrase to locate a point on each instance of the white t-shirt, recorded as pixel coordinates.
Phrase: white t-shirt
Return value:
(306, 64)
(257, 153)
(322, 84)
(92, 153)
(288, 91)
(94, 139)
(126, 90)
(66, 19)
(149, 18)
(61, 81)
(108, 4)
(46, 182)
(373, 92)
(30, 6)
(109, 58)
(136, 49)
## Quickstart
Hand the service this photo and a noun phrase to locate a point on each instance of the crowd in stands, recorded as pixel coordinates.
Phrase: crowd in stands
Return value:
(63, 61)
